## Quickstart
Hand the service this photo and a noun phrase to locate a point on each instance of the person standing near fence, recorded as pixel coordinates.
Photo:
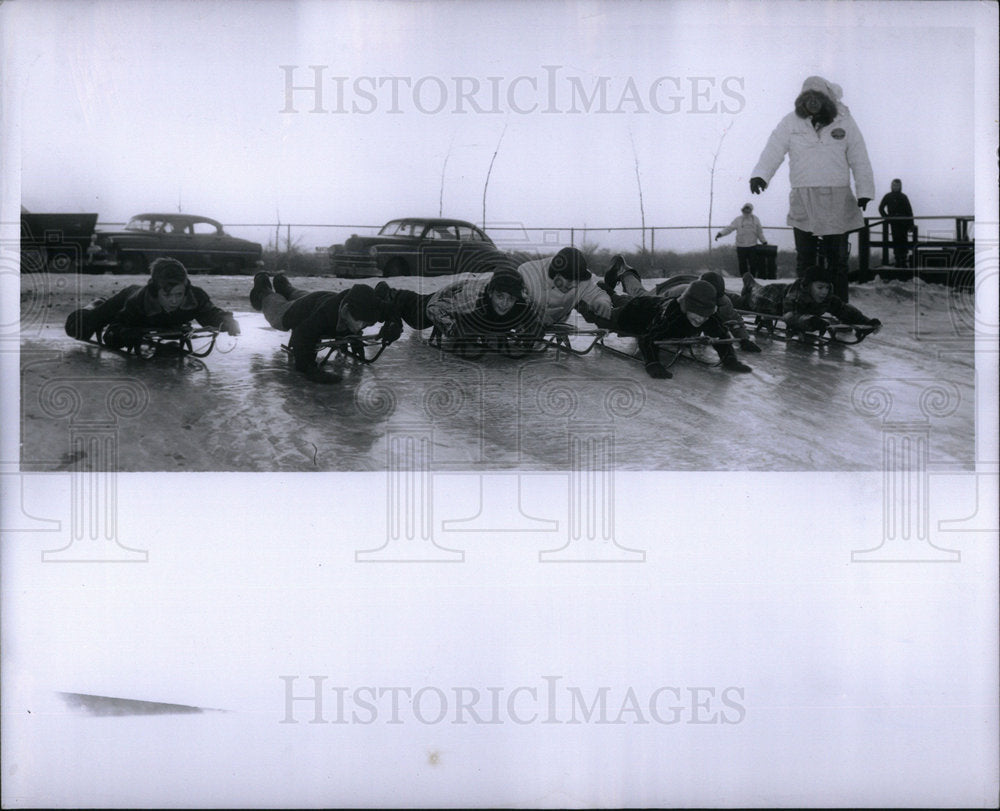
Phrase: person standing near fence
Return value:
(896, 206)
(824, 147)
(748, 233)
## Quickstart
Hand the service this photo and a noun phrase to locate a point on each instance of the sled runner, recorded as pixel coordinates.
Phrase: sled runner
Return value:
(673, 348)
(773, 326)
(519, 345)
(558, 337)
(471, 347)
(353, 346)
(181, 341)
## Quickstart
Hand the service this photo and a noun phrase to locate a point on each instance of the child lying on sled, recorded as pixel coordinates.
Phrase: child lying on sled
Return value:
(654, 318)
(320, 315)
(469, 308)
(802, 303)
(674, 287)
(168, 299)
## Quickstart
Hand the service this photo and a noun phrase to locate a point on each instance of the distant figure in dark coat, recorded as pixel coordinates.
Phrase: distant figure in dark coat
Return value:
(897, 205)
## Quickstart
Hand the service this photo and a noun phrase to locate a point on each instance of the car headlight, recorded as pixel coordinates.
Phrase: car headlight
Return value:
(373, 251)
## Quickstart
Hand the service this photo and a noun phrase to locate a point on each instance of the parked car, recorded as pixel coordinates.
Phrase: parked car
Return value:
(55, 242)
(199, 242)
(415, 246)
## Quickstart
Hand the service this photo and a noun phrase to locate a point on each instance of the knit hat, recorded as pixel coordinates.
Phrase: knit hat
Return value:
(572, 264)
(715, 279)
(506, 280)
(165, 273)
(699, 298)
(820, 85)
(364, 303)
(817, 274)
(747, 207)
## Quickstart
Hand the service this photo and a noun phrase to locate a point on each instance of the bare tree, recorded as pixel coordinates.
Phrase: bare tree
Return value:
(638, 180)
(490, 171)
(443, 167)
(711, 184)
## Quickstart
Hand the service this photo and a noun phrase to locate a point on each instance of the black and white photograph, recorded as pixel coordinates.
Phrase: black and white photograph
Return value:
(552, 404)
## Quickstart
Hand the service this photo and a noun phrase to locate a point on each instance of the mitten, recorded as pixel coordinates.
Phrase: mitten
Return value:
(231, 325)
(757, 185)
(811, 323)
(658, 370)
(734, 364)
(391, 330)
(120, 337)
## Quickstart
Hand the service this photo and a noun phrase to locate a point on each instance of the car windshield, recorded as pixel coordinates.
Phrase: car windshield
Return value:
(141, 224)
(397, 228)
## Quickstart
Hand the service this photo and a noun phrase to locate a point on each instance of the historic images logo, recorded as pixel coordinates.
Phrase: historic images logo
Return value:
(548, 703)
(316, 89)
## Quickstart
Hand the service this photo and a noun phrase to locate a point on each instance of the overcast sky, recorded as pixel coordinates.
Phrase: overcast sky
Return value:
(128, 107)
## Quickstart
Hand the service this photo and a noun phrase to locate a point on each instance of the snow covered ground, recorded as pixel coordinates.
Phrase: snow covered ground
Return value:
(550, 583)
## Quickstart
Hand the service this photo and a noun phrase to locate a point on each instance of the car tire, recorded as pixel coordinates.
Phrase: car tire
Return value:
(131, 263)
(61, 263)
(33, 260)
(397, 267)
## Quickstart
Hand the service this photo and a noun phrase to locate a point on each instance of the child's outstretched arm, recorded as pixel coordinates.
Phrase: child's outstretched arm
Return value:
(209, 315)
(850, 314)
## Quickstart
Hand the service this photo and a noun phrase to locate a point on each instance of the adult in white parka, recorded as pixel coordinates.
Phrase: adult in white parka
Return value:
(824, 148)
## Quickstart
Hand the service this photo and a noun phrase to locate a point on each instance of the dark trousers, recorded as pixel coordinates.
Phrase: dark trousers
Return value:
(900, 242)
(412, 308)
(834, 253)
(744, 261)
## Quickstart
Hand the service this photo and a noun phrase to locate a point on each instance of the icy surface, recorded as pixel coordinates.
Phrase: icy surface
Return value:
(247, 410)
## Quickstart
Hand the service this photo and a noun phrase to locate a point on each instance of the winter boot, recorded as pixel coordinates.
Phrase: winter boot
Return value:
(261, 285)
(614, 272)
(282, 286)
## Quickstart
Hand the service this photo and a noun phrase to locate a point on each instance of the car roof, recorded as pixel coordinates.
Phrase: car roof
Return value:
(175, 218)
(433, 221)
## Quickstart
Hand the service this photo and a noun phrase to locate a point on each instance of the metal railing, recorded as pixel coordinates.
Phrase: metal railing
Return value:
(945, 249)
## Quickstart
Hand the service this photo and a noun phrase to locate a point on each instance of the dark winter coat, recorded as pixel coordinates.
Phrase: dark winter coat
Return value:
(312, 318)
(896, 204)
(651, 319)
(141, 309)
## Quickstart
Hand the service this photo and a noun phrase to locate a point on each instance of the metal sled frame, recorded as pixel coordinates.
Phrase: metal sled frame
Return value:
(558, 337)
(835, 334)
(674, 349)
(185, 340)
(353, 346)
(472, 347)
